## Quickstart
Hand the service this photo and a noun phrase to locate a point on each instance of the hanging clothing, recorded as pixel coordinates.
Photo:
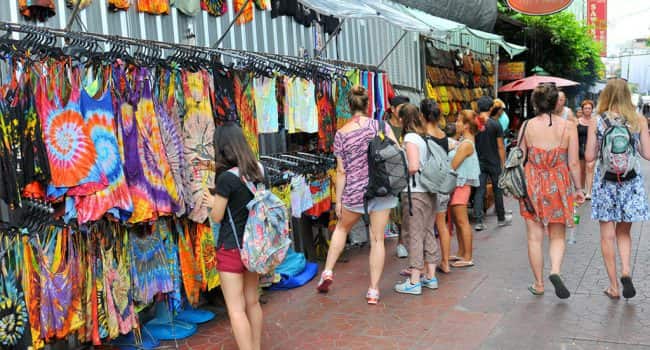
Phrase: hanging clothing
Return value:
(215, 7)
(266, 104)
(117, 5)
(144, 206)
(192, 277)
(300, 112)
(171, 253)
(198, 133)
(117, 284)
(245, 103)
(154, 7)
(188, 7)
(326, 116)
(73, 3)
(170, 111)
(224, 91)
(32, 287)
(206, 253)
(9, 191)
(114, 199)
(71, 152)
(39, 10)
(148, 269)
(343, 113)
(14, 316)
(153, 158)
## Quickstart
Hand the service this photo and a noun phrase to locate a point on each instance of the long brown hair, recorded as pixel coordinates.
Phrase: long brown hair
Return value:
(617, 97)
(232, 150)
(411, 119)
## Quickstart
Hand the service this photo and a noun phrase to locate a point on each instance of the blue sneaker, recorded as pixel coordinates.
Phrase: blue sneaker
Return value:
(407, 288)
(430, 283)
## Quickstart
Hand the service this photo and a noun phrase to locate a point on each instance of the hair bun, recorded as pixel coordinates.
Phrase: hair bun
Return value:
(358, 90)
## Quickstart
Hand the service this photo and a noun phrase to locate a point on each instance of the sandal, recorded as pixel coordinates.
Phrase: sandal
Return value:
(534, 291)
(372, 296)
(560, 289)
(611, 295)
(462, 264)
(453, 258)
(628, 287)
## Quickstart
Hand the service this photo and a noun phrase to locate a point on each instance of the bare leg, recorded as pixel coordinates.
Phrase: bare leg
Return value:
(378, 222)
(557, 246)
(589, 177)
(253, 307)
(340, 235)
(624, 242)
(607, 243)
(232, 285)
(583, 174)
(464, 232)
(535, 251)
(445, 240)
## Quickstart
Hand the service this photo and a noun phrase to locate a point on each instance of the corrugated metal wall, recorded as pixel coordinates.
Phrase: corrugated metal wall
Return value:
(362, 41)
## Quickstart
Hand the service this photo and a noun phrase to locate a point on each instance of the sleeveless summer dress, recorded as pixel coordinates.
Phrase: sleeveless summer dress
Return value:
(246, 108)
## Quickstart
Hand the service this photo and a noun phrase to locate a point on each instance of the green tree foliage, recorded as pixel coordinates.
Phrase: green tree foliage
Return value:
(560, 44)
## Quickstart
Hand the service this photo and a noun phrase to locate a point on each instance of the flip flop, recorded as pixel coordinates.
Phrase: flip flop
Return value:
(611, 295)
(534, 291)
(462, 264)
(454, 258)
(560, 289)
(628, 287)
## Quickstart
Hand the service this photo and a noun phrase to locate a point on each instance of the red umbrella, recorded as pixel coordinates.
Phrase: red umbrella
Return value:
(530, 83)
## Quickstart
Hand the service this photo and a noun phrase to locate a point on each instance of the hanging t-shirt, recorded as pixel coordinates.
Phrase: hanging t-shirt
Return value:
(225, 107)
(187, 7)
(39, 10)
(215, 7)
(343, 113)
(301, 114)
(117, 5)
(154, 7)
(266, 104)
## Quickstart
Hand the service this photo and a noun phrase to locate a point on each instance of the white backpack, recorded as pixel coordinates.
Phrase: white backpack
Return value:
(436, 175)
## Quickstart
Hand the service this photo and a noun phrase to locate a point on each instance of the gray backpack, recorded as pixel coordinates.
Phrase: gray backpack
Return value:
(513, 179)
(436, 175)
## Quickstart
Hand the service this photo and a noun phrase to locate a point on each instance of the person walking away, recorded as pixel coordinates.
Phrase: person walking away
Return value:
(586, 168)
(395, 123)
(431, 114)
(619, 197)
(424, 254)
(464, 160)
(239, 286)
(551, 145)
(499, 114)
(351, 150)
(491, 155)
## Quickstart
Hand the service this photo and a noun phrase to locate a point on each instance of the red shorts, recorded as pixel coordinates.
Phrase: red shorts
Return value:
(229, 260)
(460, 196)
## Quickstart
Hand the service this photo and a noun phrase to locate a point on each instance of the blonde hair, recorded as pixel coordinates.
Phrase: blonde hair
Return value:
(617, 97)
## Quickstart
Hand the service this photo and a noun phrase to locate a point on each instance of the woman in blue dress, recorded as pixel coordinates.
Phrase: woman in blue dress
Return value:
(617, 200)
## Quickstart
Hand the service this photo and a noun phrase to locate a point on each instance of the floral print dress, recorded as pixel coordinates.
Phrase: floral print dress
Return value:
(618, 201)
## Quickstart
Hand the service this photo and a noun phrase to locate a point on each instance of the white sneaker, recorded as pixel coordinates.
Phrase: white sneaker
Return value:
(402, 252)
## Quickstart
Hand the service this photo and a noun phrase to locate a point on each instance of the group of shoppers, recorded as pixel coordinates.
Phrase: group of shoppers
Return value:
(559, 149)
(569, 160)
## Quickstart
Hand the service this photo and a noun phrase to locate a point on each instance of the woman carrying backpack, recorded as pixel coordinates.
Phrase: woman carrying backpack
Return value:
(464, 161)
(431, 113)
(424, 254)
(618, 194)
(551, 146)
(239, 286)
(351, 150)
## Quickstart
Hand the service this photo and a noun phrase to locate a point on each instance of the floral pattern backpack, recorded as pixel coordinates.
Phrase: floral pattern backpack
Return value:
(266, 234)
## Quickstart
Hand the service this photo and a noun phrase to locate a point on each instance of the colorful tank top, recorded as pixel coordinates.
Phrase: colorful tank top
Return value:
(116, 199)
(245, 103)
(170, 109)
(326, 116)
(154, 7)
(32, 288)
(266, 104)
(152, 156)
(343, 113)
(120, 310)
(14, 316)
(192, 277)
(144, 207)
(70, 150)
(198, 134)
(164, 228)
(206, 253)
(148, 269)
(225, 107)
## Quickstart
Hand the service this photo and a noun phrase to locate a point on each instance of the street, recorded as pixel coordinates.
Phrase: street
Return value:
(484, 307)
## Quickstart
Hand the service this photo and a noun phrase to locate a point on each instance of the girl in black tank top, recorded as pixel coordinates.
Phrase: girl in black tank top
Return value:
(442, 142)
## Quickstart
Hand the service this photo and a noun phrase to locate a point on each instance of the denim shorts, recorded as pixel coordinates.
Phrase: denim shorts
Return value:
(375, 204)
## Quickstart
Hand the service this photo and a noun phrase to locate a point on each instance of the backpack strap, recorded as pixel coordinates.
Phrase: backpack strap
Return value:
(251, 186)
(234, 228)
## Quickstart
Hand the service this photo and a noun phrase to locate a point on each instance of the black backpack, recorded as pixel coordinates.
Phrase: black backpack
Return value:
(387, 169)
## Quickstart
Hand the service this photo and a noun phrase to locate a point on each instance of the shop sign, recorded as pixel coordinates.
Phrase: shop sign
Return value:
(597, 22)
(539, 7)
(512, 71)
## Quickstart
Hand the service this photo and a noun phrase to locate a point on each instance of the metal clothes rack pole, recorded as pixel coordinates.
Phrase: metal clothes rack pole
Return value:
(225, 34)
(392, 49)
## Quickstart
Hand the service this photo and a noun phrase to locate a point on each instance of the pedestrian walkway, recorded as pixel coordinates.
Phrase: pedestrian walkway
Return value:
(484, 307)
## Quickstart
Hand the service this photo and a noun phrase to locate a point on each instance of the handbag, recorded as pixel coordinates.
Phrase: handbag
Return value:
(513, 179)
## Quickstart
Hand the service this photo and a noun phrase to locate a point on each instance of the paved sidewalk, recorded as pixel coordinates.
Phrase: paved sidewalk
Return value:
(484, 307)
